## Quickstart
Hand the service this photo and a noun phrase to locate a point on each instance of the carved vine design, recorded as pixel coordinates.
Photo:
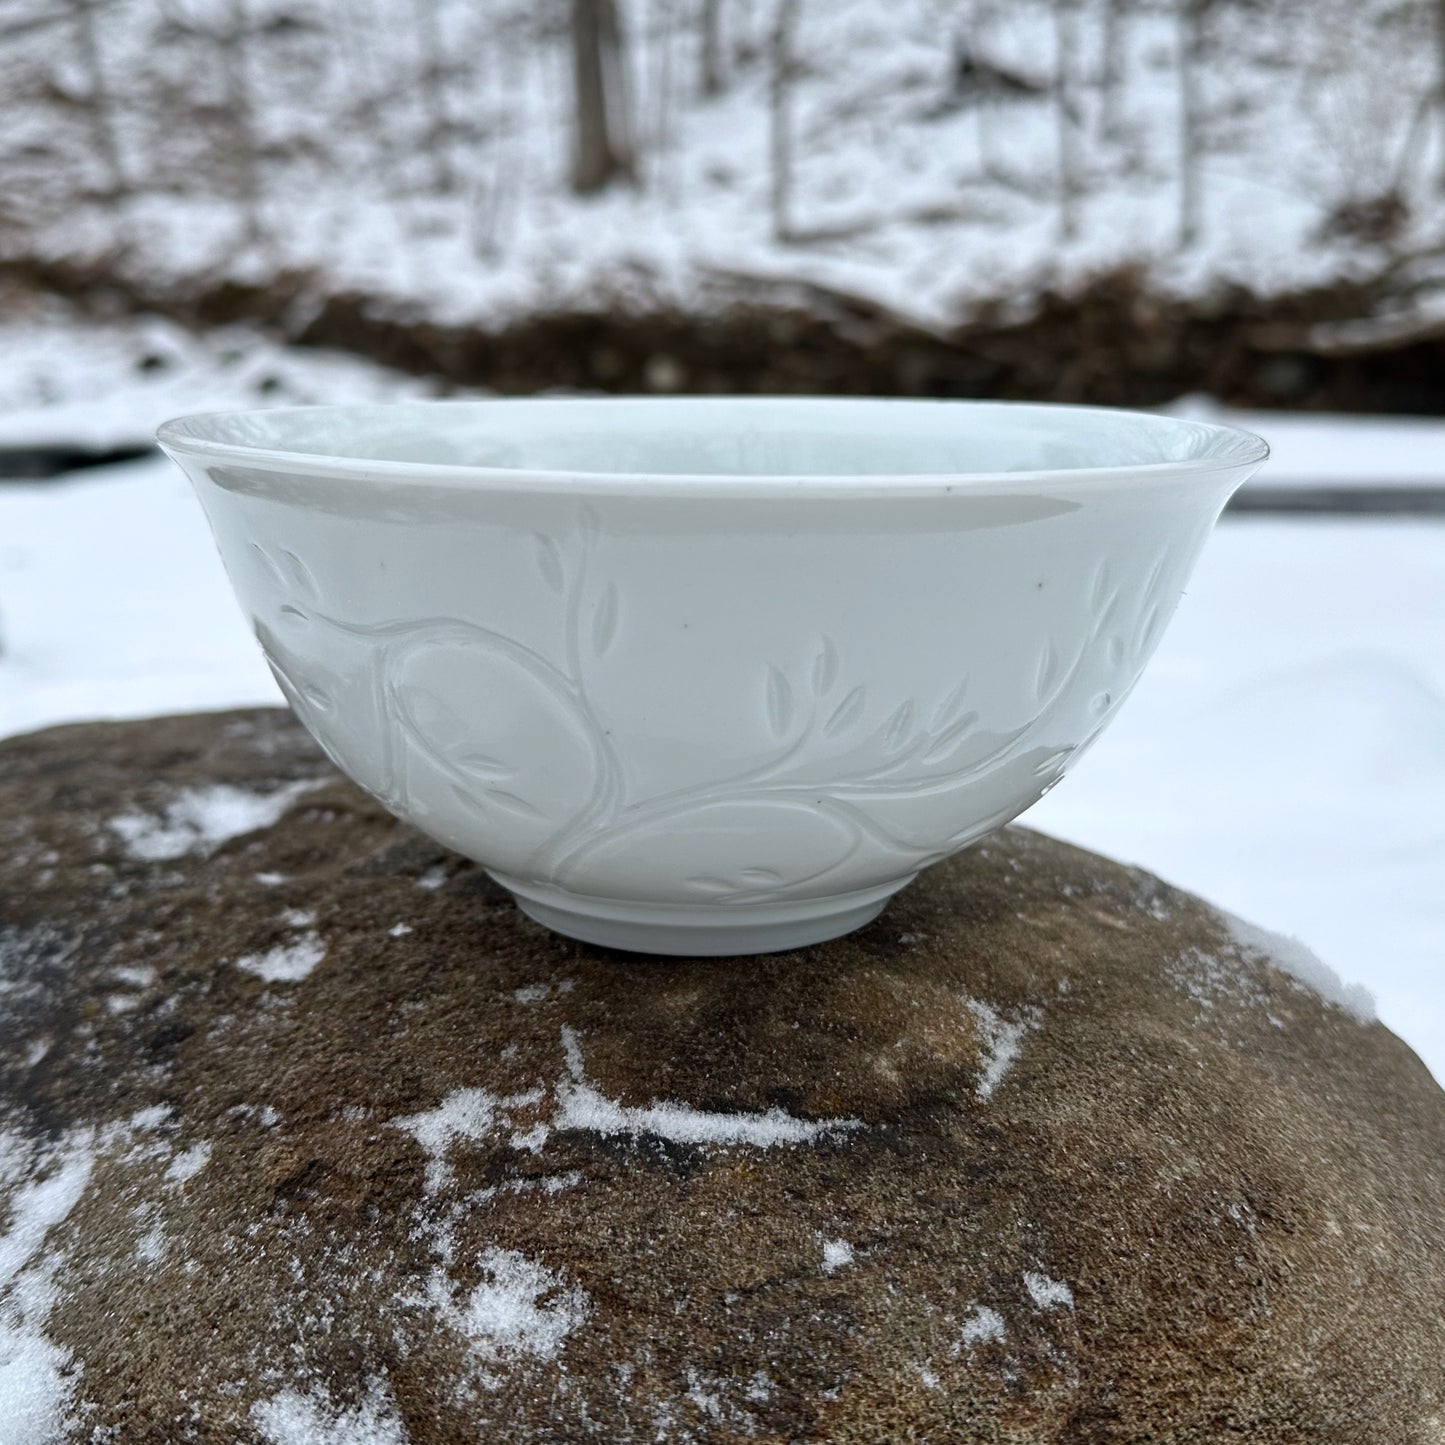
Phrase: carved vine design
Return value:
(913, 752)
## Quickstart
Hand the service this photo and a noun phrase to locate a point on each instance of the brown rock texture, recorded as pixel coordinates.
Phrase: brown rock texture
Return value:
(306, 1134)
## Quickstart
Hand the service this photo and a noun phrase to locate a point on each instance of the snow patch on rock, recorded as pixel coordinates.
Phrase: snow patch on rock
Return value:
(1002, 1039)
(520, 1308)
(465, 1114)
(35, 1379)
(1047, 1293)
(287, 962)
(836, 1254)
(984, 1326)
(291, 1418)
(187, 1164)
(199, 820)
(581, 1106)
(1290, 956)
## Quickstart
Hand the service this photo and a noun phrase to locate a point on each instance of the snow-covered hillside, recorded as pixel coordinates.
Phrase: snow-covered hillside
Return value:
(939, 158)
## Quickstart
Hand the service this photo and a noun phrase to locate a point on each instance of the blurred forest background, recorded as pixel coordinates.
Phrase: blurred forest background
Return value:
(1100, 200)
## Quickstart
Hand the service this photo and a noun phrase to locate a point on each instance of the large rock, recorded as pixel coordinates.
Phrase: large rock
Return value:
(308, 1135)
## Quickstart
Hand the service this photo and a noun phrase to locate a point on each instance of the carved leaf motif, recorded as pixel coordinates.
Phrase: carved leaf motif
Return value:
(460, 699)
(1103, 586)
(1155, 575)
(516, 804)
(747, 879)
(318, 697)
(825, 667)
(301, 575)
(604, 619)
(480, 766)
(704, 883)
(949, 739)
(947, 710)
(1048, 672)
(847, 712)
(780, 701)
(549, 561)
(898, 727)
(474, 798)
(269, 563)
(1153, 625)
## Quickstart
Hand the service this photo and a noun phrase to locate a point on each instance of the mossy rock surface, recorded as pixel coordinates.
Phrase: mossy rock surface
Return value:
(306, 1134)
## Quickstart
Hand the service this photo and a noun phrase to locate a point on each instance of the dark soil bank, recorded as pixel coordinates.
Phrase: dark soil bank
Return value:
(1112, 343)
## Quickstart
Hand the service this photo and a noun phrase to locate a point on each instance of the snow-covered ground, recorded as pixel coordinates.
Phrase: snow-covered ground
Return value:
(1284, 755)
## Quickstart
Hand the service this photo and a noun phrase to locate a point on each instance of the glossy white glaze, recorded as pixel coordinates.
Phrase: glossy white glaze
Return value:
(708, 676)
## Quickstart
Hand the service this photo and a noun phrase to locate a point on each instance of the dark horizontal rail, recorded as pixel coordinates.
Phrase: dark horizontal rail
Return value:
(44, 463)
(1345, 500)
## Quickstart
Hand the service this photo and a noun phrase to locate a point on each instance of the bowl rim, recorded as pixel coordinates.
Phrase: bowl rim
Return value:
(1239, 453)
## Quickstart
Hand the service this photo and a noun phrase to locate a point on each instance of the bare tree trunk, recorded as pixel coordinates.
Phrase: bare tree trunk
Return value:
(504, 97)
(1416, 137)
(1113, 77)
(662, 142)
(1191, 14)
(100, 107)
(434, 93)
(985, 106)
(712, 49)
(602, 144)
(235, 56)
(780, 117)
(741, 29)
(1440, 88)
(1065, 48)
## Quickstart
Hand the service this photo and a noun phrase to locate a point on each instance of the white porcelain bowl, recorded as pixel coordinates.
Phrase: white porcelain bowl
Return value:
(707, 676)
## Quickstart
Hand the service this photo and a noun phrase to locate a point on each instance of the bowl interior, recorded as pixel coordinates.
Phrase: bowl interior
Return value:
(743, 437)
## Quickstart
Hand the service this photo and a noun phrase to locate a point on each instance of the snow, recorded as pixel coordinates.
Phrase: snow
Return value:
(521, 1308)
(836, 1254)
(929, 207)
(581, 1106)
(35, 1384)
(1046, 1293)
(38, 1207)
(187, 1164)
(98, 385)
(287, 962)
(465, 1114)
(152, 1245)
(1001, 1039)
(294, 1418)
(199, 820)
(1291, 956)
(984, 1326)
